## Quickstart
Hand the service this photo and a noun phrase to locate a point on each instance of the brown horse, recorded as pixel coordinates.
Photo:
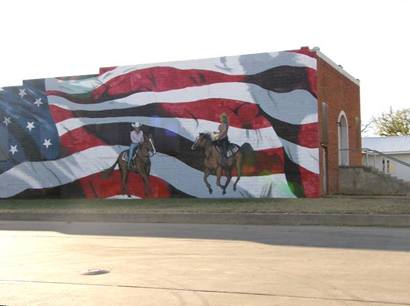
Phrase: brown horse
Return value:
(141, 164)
(214, 162)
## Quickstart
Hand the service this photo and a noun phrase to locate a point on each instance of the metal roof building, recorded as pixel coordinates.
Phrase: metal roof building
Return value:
(391, 155)
(388, 144)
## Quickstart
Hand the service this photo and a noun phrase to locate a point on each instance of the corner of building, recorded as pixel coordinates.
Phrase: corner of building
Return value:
(338, 97)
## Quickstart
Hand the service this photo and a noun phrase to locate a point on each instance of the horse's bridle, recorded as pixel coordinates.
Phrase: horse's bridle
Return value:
(153, 147)
(193, 147)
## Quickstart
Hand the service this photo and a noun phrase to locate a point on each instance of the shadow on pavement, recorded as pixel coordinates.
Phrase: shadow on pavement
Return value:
(390, 239)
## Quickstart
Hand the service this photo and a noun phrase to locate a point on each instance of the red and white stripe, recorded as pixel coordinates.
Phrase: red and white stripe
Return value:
(192, 100)
(229, 65)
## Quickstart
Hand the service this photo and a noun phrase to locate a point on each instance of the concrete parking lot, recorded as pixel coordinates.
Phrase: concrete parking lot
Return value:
(42, 263)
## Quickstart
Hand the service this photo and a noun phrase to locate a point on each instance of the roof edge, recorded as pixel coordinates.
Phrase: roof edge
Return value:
(335, 66)
(394, 152)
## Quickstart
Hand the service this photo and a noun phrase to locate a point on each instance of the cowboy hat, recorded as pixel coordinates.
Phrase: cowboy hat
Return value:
(136, 125)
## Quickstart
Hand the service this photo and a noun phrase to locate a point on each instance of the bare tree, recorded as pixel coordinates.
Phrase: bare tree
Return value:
(365, 126)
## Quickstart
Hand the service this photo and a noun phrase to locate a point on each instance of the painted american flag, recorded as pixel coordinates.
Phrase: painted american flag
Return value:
(62, 133)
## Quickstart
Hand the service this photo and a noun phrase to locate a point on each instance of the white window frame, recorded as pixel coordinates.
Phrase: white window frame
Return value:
(342, 114)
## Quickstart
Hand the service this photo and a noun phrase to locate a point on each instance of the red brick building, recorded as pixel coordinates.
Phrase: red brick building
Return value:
(339, 118)
(292, 119)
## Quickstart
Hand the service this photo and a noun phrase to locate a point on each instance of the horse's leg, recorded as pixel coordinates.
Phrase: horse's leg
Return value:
(238, 163)
(218, 177)
(123, 167)
(228, 174)
(147, 173)
(147, 188)
(122, 173)
(206, 174)
(126, 181)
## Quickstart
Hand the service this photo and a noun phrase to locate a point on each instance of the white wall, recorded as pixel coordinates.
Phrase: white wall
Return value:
(390, 166)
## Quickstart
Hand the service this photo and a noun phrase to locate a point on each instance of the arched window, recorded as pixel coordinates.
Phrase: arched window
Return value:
(343, 139)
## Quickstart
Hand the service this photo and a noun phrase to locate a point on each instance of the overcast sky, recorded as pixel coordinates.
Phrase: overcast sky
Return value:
(370, 39)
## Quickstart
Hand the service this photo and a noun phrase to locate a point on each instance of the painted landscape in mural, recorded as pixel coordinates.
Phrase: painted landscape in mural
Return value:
(239, 126)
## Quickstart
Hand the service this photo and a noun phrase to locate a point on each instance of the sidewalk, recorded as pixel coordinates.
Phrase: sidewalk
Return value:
(222, 218)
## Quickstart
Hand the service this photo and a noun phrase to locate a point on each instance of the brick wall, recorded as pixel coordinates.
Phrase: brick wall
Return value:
(340, 94)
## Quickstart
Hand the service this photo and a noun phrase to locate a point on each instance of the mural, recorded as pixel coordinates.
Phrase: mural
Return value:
(239, 126)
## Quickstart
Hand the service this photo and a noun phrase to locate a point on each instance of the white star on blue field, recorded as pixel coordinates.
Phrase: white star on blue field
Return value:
(27, 131)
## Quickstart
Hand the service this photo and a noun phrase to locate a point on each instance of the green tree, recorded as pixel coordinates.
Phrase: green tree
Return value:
(393, 123)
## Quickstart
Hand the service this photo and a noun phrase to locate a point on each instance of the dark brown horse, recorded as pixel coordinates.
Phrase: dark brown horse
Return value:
(141, 164)
(214, 162)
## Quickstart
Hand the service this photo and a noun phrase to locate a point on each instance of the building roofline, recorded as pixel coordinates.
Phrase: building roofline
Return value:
(397, 152)
(386, 137)
(335, 66)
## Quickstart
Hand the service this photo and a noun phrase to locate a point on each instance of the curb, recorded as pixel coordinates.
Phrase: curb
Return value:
(222, 218)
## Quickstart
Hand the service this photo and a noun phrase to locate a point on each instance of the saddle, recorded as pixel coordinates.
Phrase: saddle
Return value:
(125, 157)
(230, 150)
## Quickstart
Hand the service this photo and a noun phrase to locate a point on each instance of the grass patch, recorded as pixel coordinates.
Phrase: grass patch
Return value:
(318, 206)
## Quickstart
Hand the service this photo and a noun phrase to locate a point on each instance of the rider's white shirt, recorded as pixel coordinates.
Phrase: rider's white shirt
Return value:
(137, 137)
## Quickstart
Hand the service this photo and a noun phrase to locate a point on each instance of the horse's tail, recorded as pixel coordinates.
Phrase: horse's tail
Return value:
(248, 154)
(106, 173)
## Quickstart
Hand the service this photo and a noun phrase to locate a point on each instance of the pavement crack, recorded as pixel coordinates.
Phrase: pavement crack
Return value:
(208, 291)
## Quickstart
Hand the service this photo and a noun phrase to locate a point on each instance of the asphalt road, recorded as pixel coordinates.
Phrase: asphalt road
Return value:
(42, 263)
